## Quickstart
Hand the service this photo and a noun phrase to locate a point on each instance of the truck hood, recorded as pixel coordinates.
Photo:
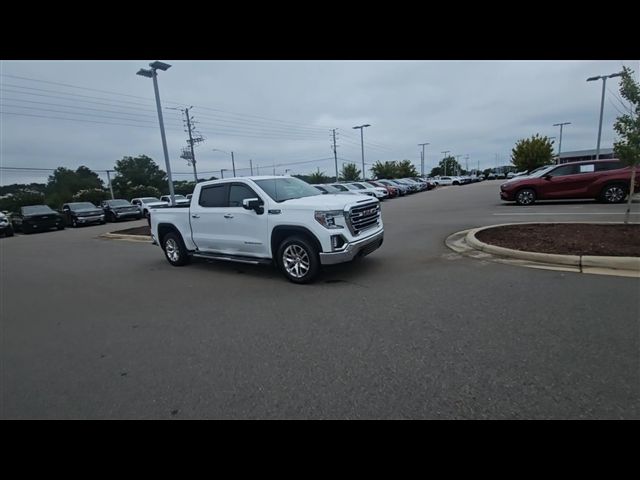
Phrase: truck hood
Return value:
(331, 201)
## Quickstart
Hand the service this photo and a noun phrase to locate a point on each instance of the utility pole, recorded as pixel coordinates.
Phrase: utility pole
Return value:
(335, 152)
(466, 158)
(362, 127)
(423, 157)
(109, 180)
(251, 166)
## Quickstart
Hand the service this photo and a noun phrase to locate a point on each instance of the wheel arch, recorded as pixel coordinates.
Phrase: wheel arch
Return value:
(281, 232)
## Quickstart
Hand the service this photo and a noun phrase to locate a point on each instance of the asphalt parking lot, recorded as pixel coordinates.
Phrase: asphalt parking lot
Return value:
(101, 329)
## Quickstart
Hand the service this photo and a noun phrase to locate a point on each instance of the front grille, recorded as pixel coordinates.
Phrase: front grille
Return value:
(363, 217)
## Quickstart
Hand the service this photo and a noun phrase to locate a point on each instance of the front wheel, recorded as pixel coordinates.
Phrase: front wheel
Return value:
(9, 232)
(526, 196)
(615, 193)
(174, 249)
(298, 260)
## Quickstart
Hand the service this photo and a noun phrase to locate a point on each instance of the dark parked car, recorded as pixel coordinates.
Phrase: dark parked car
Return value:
(82, 213)
(35, 218)
(119, 209)
(5, 226)
(604, 180)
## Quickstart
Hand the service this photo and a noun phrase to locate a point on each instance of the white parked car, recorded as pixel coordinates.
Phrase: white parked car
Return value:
(180, 199)
(378, 192)
(147, 203)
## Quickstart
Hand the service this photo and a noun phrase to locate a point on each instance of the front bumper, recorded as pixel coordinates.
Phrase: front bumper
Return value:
(134, 214)
(506, 196)
(353, 249)
(92, 219)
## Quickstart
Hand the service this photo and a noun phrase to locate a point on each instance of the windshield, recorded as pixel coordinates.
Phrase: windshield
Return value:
(340, 188)
(36, 210)
(150, 199)
(358, 186)
(118, 203)
(331, 189)
(286, 188)
(82, 206)
(538, 172)
(180, 197)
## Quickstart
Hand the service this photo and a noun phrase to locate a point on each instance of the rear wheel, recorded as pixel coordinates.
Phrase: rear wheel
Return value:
(615, 193)
(174, 249)
(298, 260)
(526, 196)
(9, 232)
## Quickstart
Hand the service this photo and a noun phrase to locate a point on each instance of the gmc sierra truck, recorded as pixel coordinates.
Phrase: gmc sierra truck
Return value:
(277, 220)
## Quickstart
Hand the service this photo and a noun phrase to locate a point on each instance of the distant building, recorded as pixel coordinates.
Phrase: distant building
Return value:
(584, 155)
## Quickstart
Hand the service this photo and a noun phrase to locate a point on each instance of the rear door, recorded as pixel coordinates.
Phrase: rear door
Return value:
(207, 217)
(568, 181)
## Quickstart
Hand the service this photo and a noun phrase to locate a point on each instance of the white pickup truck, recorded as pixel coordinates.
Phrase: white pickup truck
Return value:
(269, 219)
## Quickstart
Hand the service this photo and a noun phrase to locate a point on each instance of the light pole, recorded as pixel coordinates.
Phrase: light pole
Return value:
(362, 127)
(423, 157)
(560, 144)
(152, 73)
(446, 152)
(233, 162)
(604, 82)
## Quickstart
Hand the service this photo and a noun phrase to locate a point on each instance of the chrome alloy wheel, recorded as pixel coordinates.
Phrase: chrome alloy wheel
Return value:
(296, 261)
(614, 194)
(525, 197)
(172, 250)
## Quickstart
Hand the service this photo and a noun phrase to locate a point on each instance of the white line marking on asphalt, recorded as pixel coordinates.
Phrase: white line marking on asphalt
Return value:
(567, 213)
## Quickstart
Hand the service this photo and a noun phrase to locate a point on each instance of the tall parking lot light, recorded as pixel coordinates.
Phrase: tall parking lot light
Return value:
(423, 157)
(152, 73)
(362, 127)
(560, 144)
(445, 153)
(604, 83)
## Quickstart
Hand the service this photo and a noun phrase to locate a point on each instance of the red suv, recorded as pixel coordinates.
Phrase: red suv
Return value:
(604, 180)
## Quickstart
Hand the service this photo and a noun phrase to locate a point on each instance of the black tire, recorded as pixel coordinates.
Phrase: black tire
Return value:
(9, 232)
(294, 255)
(24, 230)
(111, 217)
(526, 196)
(60, 227)
(614, 193)
(74, 223)
(174, 250)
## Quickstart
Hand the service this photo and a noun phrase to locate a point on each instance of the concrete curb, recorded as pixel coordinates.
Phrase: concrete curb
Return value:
(122, 236)
(615, 263)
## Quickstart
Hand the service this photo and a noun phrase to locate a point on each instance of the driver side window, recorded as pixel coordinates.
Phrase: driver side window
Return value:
(239, 192)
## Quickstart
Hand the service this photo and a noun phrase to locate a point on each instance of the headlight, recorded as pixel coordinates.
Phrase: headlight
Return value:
(328, 218)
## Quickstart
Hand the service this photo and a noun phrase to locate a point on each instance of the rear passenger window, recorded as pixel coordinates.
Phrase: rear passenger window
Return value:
(565, 170)
(587, 168)
(214, 196)
(239, 192)
(604, 166)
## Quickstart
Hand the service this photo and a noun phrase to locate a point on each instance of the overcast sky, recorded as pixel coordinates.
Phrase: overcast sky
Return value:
(281, 112)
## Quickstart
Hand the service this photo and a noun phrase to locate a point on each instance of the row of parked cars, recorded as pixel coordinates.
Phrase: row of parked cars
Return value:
(380, 189)
(33, 218)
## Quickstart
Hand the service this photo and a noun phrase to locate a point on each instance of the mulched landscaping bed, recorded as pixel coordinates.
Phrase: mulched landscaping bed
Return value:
(615, 240)
(145, 230)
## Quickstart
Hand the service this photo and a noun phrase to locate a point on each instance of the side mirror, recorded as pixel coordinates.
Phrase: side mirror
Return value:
(253, 204)
(547, 176)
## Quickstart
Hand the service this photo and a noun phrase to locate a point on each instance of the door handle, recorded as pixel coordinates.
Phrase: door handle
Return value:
(195, 216)
(228, 215)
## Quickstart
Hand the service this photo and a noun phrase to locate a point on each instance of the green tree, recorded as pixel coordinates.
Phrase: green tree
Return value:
(183, 187)
(350, 172)
(144, 191)
(531, 153)
(318, 177)
(64, 183)
(406, 169)
(13, 202)
(93, 195)
(449, 166)
(627, 126)
(385, 170)
(136, 171)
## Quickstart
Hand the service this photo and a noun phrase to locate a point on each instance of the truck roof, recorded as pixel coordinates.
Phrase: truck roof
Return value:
(254, 177)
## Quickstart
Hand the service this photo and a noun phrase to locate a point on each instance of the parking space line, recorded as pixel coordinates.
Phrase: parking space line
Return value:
(566, 213)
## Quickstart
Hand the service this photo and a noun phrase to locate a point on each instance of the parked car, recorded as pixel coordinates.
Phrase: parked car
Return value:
(330, 189)
(34, 218)
(392, 191)
(269, 219)
(448, 181)
(82, 213)
(604, 180)
(6, 228)
(180, 199)
(147, 203)
(378, 192)
(119, 209)
(402, 188)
